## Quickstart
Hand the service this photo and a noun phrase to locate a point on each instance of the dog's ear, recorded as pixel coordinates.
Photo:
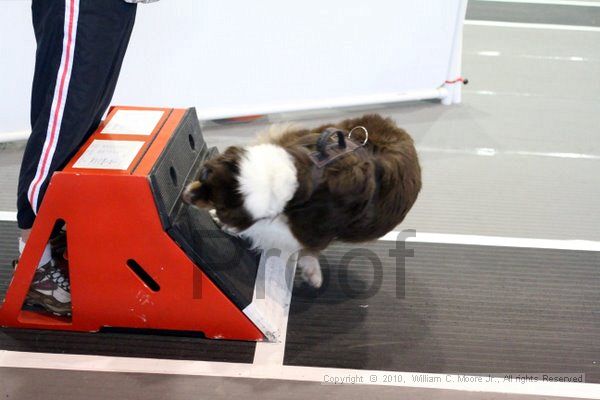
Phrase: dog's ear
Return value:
(213, 180)
(198, 194)
(204, 174)
(230, 158)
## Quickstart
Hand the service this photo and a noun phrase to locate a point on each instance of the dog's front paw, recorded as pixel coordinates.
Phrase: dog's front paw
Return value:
(311, 271)
(229, 230)
(213, 214)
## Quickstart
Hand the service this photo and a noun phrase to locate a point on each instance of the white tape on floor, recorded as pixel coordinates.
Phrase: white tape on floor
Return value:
(270, 305)
(475, 240)
(293, 373)
(8, 215)
(501, 24)
(449, 238)
(574, 3)
(491, 152)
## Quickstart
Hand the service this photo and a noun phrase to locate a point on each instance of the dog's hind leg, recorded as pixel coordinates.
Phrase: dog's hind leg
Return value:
(310, 268)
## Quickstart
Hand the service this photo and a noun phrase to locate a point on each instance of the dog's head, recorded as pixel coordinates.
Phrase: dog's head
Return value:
(244, 185)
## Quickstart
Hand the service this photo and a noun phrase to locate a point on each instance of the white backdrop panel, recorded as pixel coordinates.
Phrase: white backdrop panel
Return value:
(228, 55)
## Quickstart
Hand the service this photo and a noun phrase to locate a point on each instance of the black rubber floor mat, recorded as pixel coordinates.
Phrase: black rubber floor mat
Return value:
(162, 346)
(9, 250)
(466, 309)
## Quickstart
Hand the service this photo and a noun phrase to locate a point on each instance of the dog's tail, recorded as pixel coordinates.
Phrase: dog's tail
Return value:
(275, 132)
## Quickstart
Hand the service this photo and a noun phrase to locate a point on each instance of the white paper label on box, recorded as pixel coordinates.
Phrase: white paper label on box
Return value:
(109, 154)
(133, 122)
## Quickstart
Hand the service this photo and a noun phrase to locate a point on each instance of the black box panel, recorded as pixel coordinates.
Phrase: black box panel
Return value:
(227, 260)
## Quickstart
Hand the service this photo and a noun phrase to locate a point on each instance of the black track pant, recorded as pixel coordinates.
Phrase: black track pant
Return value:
(80, 49)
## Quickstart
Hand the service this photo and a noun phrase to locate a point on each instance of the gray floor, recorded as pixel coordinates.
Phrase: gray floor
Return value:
(29, 384)
(530, 13)
(518, 158)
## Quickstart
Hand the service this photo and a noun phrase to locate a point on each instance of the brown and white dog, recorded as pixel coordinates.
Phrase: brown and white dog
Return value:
(269, 193)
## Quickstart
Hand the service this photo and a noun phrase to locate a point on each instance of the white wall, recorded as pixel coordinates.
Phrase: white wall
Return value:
(17, 57)
(228, 57)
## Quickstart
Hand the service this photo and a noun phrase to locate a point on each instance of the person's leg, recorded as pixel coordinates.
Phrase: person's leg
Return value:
(80, 49)
(81, 45)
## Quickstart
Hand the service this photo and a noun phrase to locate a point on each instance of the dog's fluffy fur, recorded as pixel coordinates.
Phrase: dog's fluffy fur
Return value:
(266, 192)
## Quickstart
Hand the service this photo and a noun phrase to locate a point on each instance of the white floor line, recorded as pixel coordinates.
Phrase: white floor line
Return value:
(8, 215)
(501, 24)
(559, 58)
(69, 362)
(6, 137)
(477, 240)
(449, 238)
(489, 152)
(271, 353)
(495, 53)
(574, 3)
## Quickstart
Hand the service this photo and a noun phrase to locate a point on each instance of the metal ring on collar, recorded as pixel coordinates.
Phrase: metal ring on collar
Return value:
(364, 129)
